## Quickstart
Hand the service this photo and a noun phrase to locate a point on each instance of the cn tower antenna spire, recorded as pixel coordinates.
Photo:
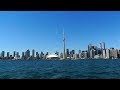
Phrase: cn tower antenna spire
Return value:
(64, 44)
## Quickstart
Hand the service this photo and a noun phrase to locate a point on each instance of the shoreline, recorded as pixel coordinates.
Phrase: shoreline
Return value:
(55, 59)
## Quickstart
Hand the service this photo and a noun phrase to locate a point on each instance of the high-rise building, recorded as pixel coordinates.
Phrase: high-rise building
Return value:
(96, 50)
(67, 52)
(92, 54)
(48, 53)
(118, 53)
(37, 55)
(33, 53)
(82, 55)
(27, 53)
(76, 56)
(41, 55)
(90, 47)
(113, 53)
(17, 54)
(104, 53)
(8, 54)
(79, 51)
(73, 51)
(23, 54)
(107, 53)
(85, 55)
(103, 45)
(3, 54)
(14, 53)
(61, 55)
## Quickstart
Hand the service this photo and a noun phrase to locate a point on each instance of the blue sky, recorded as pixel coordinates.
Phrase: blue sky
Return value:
(42, 30)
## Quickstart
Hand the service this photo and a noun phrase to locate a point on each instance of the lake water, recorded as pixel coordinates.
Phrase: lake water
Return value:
(59, 69)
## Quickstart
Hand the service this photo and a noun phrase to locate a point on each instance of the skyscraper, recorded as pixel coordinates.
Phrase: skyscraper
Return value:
(86, 54)
(27, 53)
(67, 52)
(23, 54)
(79, 51)
(103, 45)
(8, 54)
(3, 54)
(33, 53)
(41, 55)
(17, 54)
(107, 53)
(92, 53)
(37, 55)
(14, 54)
(89, 48)
(104, 53)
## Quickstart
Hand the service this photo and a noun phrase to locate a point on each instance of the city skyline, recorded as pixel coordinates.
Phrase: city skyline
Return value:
(93, 52)
(42, 31)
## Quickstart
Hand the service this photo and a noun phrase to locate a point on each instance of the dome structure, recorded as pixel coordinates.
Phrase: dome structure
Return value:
(52, 56)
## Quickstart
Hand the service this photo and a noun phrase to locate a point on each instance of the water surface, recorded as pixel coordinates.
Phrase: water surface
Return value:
(59, 69)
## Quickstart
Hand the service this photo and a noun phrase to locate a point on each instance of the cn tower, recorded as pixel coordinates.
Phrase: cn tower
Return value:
(64, 56)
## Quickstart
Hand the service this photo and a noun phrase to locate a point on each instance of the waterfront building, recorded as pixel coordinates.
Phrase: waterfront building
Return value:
(107, 53)
(41, 55)
(104, 53)
(14, 53)
(85, 55)
(101, 49)
(118, 53)
(67, 53)
(11, 57)
(103, 45)
(37, 55)
(27, 54)
(61, 55)
(33, 53)
(17, 54)
(52, 57)
(96, 50)
(92, 54)
(73, 52)
(76, 56)
(73, 56)
(23, 55)
(113, 53)
(89, 48)
(8, 54)
(79, 51)
(80, 55)
(3, 54)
